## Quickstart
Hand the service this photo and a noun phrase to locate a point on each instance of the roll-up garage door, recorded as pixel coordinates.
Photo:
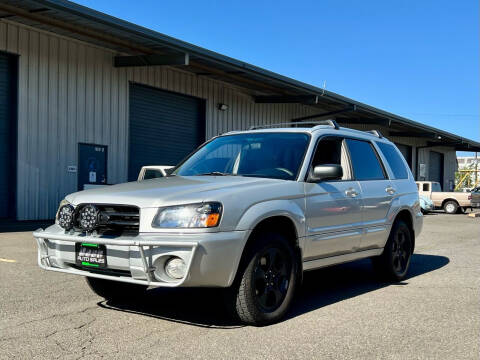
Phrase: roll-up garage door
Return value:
(435, 168)
(8, 76)
(164, 127)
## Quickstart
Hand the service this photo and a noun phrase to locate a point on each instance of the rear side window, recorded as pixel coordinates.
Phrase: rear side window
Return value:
(394, 160)
(366, 165)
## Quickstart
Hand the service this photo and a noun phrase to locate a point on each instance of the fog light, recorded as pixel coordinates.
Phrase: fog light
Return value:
(88, 217)
(175, 268)
(65, 216)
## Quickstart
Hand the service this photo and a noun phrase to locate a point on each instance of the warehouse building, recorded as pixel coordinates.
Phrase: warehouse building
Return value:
(86, 98)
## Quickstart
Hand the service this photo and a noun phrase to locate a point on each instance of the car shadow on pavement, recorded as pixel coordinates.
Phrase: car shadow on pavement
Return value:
(205, 307)
(333, 284)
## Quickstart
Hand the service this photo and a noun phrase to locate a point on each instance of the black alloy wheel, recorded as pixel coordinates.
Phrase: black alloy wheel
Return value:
(266, 280)
(271, 278)
(394, 262)
(401, 250)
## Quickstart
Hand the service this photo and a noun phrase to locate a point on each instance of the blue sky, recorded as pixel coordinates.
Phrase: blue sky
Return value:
(419, 59)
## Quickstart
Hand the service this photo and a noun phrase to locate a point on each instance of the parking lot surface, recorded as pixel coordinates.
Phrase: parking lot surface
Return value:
(341, 312)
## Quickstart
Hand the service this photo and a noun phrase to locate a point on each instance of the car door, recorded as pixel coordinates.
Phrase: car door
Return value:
(333, 208)
(377, 192)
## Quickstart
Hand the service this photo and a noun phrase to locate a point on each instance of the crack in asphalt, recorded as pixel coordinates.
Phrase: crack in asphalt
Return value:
(53, 316)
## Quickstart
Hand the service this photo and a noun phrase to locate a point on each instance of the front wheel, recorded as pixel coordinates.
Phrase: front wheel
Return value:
(394, 262)
(265, 287)
(115, 290)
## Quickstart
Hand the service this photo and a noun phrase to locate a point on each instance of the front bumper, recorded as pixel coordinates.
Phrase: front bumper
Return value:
(212, 258)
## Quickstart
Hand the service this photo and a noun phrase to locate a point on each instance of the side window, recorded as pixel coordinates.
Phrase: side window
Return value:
(426, 187)
(332, 151)
(366, 165)
(436, 187)
(394, 160)
(152, 174)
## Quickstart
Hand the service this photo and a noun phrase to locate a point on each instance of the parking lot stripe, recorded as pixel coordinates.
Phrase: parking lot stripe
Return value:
(8, 260)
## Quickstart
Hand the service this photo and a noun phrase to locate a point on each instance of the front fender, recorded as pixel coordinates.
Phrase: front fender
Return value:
(294, 209)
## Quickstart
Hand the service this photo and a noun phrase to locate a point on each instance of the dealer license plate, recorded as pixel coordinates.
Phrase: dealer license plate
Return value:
(91, 255)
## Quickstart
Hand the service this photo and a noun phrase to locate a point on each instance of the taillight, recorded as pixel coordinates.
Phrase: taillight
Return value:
(469, 197)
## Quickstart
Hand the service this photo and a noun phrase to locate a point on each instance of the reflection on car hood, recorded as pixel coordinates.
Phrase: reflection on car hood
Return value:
(171, 190)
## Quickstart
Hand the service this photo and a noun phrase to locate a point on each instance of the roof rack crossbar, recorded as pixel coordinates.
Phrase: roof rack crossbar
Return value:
(376, 133)
(331, 123)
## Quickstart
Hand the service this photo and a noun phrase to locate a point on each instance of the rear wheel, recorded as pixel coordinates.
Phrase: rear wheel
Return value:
(265, 287)
(450, 207)
(394, 262)
(115, 290)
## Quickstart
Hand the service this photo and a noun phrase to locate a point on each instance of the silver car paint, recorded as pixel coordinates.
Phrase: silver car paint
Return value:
(330, 227)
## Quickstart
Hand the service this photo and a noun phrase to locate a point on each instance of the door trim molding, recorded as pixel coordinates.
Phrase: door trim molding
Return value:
(339, 259)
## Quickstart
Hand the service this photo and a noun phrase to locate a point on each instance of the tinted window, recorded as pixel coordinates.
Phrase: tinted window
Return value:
(366, 165)
(152, 174)
(426, 187)
(394, 160)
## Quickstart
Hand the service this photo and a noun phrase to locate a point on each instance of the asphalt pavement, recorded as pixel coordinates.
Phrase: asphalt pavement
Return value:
(342, 312)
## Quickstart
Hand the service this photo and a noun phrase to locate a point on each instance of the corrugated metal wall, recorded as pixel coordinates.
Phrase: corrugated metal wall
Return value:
(69, 92)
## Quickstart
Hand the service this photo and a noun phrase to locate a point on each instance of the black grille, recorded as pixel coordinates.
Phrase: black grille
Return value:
(116, 218)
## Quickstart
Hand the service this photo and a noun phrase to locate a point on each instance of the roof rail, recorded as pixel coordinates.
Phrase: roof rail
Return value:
(376, 133)
(332, 123)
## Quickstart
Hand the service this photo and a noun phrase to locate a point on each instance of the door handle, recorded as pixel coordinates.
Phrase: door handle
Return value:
(351, 193)
(390, 190)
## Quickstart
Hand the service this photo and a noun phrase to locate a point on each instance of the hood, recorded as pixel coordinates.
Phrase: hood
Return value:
(170, 190)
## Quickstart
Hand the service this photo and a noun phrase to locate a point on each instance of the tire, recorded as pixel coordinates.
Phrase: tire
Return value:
(265, 285)
(450, 207)
(115, 290)
(394, 262)
(461, 210)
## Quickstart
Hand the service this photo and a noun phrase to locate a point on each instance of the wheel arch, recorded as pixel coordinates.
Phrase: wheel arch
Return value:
(406, 216)
(450, 199)
(279, 223)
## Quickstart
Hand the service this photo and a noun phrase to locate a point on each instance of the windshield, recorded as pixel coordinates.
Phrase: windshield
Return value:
(269, 155)
(436, 187)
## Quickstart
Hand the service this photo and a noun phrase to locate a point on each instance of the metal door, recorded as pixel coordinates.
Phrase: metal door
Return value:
(435, 168)
(92, 165)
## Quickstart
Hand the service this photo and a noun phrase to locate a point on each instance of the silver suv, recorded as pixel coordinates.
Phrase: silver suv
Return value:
(248, 211)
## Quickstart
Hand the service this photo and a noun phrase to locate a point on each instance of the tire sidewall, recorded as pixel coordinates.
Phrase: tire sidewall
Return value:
(455, 207)
(263, 242)
(388, 258)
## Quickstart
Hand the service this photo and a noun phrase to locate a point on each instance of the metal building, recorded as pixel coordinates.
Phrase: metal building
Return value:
(84, 93)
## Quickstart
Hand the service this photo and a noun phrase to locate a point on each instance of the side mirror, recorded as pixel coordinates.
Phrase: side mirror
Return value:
(326, 172)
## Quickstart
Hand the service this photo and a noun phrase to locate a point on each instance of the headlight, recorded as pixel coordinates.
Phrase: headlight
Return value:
(65, 215)
(202, 215)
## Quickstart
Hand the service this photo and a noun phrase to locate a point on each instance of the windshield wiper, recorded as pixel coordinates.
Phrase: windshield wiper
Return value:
(215, 173)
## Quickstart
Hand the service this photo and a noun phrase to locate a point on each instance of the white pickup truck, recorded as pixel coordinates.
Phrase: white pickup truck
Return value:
(451, 202)
(153, 172)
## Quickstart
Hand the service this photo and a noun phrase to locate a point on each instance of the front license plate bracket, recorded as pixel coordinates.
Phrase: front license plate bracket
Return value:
(93, 256)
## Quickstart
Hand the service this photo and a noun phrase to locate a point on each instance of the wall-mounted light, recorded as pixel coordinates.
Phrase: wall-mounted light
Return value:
(222, 107)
